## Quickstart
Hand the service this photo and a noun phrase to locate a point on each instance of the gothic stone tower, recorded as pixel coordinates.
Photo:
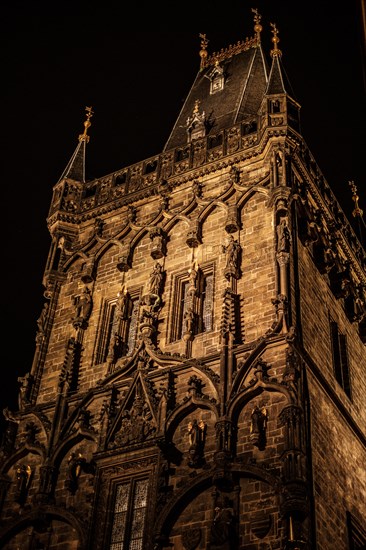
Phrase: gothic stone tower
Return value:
(197, 379)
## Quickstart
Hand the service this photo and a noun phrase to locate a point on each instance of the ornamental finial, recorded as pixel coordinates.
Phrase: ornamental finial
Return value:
(357, 210)
(84, 136)
(276, 51)
(203, 50)
(257, 26)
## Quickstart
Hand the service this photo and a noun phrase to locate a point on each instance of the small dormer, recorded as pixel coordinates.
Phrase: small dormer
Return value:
(217, 78)
(196, 124)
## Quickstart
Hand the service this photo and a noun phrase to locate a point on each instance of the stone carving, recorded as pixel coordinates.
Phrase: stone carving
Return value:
(83, 306)
(137, 424)
(283, 236)
(222, 528)
(23, 476)
(196, 437)
(258, 426)
(158, 243)
(232, 250)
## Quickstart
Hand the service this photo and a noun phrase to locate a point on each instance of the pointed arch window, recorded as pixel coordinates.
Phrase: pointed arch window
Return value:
(117, 331)
(201, 303)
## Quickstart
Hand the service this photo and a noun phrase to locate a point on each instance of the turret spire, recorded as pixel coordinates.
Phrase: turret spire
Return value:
(76, 167)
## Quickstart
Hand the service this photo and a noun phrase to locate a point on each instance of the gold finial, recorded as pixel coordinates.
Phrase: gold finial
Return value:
(196, 106)
(357, 210)
(84, 136)
(257, 26)
(276, 51)
(203, 50)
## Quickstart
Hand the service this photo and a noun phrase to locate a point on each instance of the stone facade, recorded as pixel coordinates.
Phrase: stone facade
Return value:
(187, 390)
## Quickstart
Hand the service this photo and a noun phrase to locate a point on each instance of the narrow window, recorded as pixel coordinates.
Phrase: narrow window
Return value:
(200, 302)
(132, 325)
(340, 357)
(206, 303)
(117, 333)
(107, 329)
(129, 515)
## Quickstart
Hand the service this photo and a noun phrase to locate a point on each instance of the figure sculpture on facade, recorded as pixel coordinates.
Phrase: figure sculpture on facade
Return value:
(196, 437)
(283, 236)
(23, 398)
(83, 305)
(41, 321)
(222, 528)
(23, 475)
(258, 426)
(156, 279)
(232, 250)
(122, 303)
(75, 463)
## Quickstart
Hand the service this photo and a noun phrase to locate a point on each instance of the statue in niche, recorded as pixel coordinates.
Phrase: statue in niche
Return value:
(75, 463)
(115, 347)
(283, 236)
(151, 301)
(189, 321)
(222, 528)
(196, 437)
(258, 426)
(232, 250)
(192, 279)
(122, 303)
(23, 475)
(83, 306)
(156, 279)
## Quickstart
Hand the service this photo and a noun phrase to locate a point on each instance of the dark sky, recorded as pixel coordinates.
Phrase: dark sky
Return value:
(134, 64)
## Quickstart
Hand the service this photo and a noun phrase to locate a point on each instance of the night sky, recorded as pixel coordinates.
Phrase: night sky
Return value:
(135, 68)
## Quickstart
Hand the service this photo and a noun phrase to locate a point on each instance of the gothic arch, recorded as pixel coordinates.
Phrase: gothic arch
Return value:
(183, 410)
(42, 514)
(21, 453)
(172, 222)
(249, 193)
(247, 394)
(68, 443)
(204, 214)
(206, 480)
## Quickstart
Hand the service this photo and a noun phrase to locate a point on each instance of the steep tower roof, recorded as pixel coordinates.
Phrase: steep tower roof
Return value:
(278, 82)
(228, 89)
(75, 168)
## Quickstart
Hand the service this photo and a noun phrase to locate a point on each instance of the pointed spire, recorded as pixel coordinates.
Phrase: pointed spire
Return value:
(76, 167)
(278, 82)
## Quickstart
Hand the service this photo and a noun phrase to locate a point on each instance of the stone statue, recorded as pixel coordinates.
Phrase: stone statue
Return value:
(232, 251)
(283, 236)
(156, 279)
